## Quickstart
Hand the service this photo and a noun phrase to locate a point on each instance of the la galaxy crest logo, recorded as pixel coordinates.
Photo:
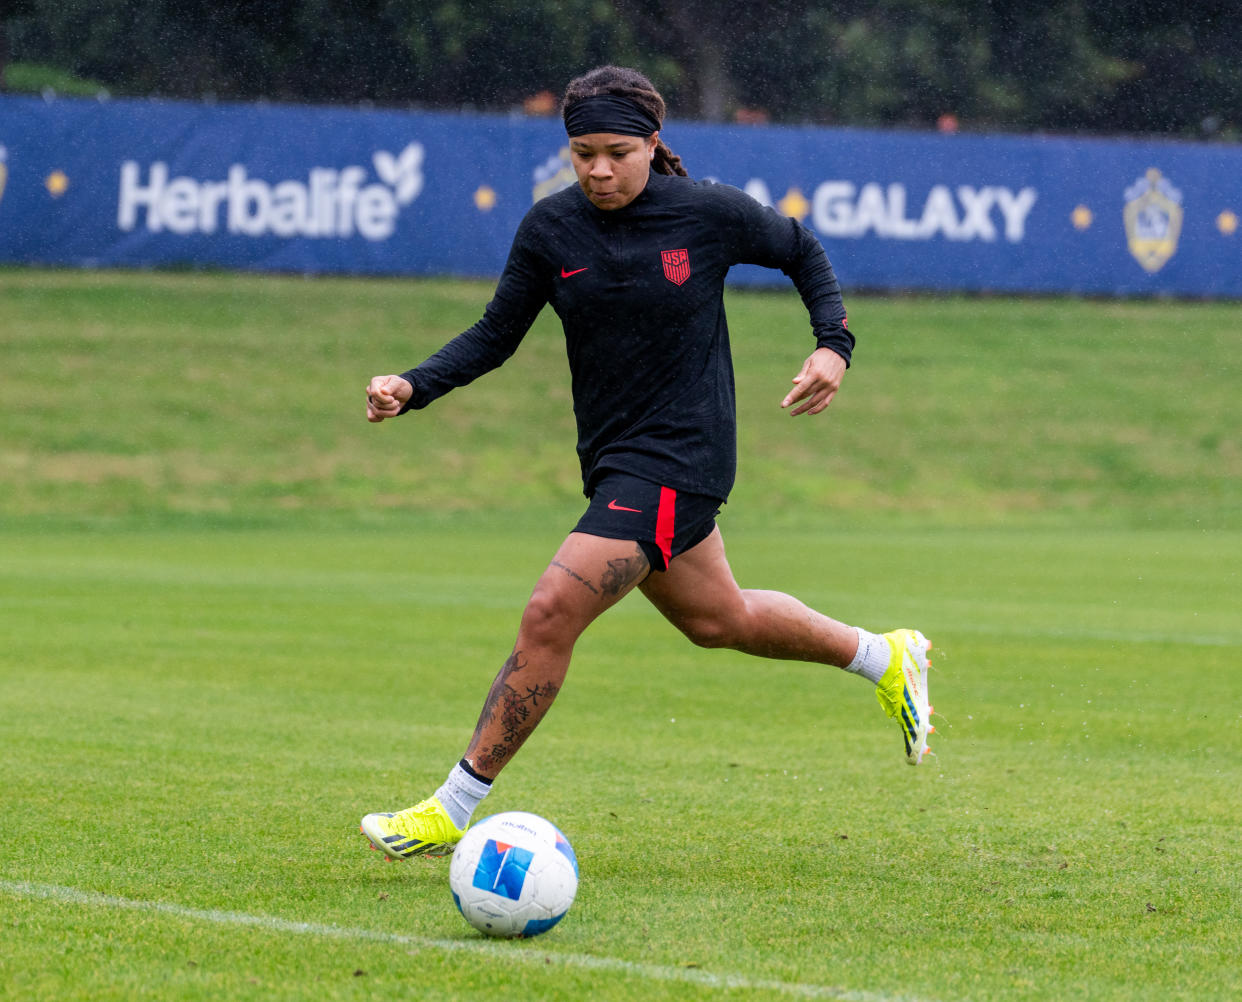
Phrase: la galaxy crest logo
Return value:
(1153, 217)
(553, 175)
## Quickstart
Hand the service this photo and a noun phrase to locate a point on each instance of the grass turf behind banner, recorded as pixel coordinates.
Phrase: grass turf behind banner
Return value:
(137, 395)
(236, 617)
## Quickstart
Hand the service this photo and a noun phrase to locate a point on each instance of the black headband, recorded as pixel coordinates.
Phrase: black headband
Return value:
(608, 113)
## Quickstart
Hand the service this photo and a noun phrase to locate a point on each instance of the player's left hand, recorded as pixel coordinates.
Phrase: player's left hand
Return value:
(817, 383)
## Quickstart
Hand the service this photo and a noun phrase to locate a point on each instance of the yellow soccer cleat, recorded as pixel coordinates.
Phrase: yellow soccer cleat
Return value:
(902, 690)
(422, 830)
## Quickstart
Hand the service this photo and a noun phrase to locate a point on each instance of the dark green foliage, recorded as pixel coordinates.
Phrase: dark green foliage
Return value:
(1139, 66)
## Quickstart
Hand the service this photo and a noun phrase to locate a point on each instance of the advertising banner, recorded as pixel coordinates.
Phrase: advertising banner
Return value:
(341, 191)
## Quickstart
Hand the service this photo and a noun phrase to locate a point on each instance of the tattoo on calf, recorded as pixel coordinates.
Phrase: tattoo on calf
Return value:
(518, 716)
(518, 707)
(488, 713)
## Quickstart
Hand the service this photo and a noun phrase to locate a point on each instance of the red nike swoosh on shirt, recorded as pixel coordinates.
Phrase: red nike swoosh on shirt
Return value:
(620, 507)
(566, 274)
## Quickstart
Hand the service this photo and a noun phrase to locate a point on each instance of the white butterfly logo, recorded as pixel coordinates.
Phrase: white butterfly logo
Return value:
(404, 171)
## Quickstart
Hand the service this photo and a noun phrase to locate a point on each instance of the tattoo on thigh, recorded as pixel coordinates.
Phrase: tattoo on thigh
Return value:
(626, 571)
(576, 576)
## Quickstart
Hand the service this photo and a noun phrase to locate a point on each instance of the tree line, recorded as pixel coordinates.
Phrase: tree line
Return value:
(1125, 66)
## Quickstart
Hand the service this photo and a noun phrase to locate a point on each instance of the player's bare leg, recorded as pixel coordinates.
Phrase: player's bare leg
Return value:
(587, 576)
(699, 595)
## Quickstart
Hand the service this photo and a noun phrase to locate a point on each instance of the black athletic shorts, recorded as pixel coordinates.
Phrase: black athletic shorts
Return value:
(664, 522)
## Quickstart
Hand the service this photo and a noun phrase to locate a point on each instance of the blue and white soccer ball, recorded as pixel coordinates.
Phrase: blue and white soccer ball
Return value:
(513, 874)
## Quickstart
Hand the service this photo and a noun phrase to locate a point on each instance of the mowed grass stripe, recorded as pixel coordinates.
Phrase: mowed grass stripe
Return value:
(212, 734)
(491, 949)
(236, 617)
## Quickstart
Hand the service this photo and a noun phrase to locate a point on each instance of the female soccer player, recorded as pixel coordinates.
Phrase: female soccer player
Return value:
(633, 260)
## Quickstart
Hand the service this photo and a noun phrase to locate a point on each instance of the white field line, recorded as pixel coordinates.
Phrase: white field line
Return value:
(488, 948)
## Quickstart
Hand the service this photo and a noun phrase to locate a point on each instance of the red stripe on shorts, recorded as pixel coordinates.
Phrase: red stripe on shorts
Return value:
(666, 518)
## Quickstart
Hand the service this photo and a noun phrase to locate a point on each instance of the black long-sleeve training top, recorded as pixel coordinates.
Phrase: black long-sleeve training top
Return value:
(640, 293)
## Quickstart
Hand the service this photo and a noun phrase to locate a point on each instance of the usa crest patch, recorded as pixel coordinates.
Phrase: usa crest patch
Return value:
(676, 265)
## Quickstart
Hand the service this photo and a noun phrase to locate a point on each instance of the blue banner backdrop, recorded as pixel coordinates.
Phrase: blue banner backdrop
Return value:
(324, 190)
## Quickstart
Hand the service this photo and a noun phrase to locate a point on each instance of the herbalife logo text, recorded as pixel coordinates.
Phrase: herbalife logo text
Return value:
(329, 203)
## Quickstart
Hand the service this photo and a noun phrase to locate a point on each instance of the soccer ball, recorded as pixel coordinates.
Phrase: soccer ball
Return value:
(513, 874)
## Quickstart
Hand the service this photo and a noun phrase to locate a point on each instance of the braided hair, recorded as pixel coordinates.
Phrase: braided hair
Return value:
(632, 85)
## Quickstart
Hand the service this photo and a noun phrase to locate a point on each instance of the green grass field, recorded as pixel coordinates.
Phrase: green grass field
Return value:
(235, 617)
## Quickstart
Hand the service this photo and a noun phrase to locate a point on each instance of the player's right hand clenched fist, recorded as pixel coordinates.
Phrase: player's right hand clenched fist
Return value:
(386, 395)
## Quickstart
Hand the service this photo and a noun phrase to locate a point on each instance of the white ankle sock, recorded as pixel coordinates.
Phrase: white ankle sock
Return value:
(871, 661)
(461, 795)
